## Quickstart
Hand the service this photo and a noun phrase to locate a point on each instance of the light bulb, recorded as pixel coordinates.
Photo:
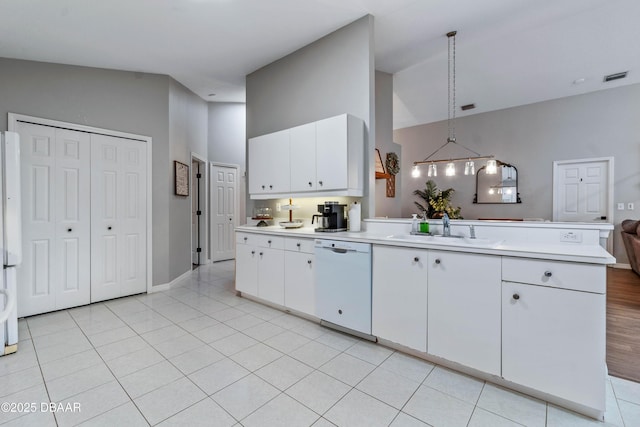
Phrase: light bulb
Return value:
(433, 170)
(469, 168)
(491, 191)
(450, 170)
(415, 172)
(492, 167)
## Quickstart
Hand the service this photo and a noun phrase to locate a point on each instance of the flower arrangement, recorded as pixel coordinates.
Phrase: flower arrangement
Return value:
(437, 201)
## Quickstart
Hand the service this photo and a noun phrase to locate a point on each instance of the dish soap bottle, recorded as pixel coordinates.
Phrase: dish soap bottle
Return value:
(414, 223)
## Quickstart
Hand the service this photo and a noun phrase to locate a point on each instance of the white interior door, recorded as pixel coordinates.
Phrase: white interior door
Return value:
(56, 219)
(582, 190)
(224, 194)
(118, 217)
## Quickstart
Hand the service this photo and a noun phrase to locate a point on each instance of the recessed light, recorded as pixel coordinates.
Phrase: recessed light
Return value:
(579, 81)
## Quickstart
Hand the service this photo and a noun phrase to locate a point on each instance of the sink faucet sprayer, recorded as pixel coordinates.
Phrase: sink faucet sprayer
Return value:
(472, 232)
(446, 225)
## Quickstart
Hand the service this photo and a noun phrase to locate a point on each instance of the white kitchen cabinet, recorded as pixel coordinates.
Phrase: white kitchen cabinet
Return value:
(340, 154)
(299, 282)
(271, 275)
(269, 163)
(260, 266)
(399, 296)
(464, 309)
(322, 157)
(247, 269)
(303, 158)
(554, 339)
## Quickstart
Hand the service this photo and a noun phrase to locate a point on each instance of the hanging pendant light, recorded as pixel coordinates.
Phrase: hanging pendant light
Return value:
(415, 172)
(451, 118)
(492, 167)
(450, 170)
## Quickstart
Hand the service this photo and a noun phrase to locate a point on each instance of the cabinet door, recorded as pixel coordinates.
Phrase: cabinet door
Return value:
(399, 296)
(303, 157)
(553, 340)
(332, 153)
(247, 269)
(269, 163)
(464, 309)
(271, 275)
(299, 282)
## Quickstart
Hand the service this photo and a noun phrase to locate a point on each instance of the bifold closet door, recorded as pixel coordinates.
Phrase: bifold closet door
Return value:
(55, 188)
(118, 217)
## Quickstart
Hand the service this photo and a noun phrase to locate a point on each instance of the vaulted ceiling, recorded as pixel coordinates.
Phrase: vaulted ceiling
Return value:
(509, 52)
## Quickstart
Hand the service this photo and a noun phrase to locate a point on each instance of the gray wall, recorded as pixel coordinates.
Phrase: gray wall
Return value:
(188, 116)
(386, 206)
(228, 143)
(331, 76)
(124, 101)
(531, 137)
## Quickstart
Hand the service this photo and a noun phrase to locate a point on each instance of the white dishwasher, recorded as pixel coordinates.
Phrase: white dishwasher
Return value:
(343, 284)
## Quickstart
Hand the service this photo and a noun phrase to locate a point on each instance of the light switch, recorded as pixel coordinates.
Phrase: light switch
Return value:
(630, 206)
(620, 206)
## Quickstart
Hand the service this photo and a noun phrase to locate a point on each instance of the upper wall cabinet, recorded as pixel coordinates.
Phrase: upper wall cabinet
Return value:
(323, 158)
(269, 164)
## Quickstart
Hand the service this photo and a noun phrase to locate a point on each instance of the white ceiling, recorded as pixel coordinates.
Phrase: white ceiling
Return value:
(509, 52)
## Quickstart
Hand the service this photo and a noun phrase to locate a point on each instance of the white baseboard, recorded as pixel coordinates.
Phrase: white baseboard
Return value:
(622, 266)
(167, 286)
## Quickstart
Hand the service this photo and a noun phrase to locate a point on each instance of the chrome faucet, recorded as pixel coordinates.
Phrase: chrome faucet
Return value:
(472, 232)
(446, 225)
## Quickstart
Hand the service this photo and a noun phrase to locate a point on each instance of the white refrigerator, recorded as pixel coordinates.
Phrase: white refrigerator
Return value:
(10, 239)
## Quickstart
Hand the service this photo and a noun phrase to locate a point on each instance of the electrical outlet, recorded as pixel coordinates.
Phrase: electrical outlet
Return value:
(571, 237)
(278, 207)
(630, 206)
(620, 206)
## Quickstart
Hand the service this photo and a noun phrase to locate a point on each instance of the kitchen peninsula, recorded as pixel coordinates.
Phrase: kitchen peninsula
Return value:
(522, 304)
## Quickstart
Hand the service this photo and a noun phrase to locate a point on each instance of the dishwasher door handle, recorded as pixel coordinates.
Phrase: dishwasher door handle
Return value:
(340, 251)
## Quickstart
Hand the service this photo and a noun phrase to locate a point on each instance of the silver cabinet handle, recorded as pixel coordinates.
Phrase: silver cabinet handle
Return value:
(547, 273)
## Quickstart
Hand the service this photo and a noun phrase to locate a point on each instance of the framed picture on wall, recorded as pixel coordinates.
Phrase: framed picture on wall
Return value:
(379, 164)
(182, 178)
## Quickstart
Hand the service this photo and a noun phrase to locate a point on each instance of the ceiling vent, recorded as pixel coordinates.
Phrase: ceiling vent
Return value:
(616, 76)
(468, 107)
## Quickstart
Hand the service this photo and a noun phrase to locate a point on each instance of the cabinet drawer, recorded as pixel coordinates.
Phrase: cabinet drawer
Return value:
(262, 240)
(555, 274)
(299, 245)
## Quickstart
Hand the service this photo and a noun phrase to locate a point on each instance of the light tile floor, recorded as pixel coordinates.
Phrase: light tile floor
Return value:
(199, 355)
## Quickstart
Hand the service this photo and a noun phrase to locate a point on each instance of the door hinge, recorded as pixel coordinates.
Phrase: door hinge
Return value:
(198, 212)
(198, 175)
(198, 249)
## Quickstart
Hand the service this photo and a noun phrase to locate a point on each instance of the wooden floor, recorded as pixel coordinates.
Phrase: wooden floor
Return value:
(623, 323)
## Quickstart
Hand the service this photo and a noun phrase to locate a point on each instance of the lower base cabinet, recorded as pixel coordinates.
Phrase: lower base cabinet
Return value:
(299, 282)
(553, 340)
(399, 296)
(464, 309)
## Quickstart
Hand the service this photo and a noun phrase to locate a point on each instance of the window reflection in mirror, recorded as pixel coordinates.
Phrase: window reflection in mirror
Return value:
(501, 187)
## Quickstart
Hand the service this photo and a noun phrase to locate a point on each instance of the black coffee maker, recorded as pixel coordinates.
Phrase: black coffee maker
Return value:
(332, 219)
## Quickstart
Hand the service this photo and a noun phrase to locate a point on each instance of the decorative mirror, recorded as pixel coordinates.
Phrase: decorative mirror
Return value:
(499, 187)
